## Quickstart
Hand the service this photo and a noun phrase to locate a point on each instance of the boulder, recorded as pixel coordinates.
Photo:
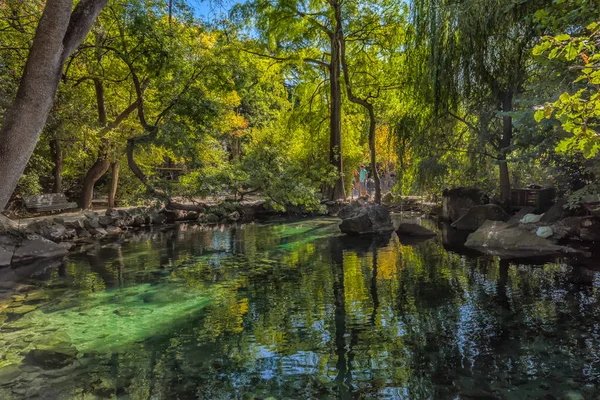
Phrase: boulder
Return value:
(515, 219)
(91, 223)
(7, 248)
(477, 215)
(234, 216)
(586, 228)
(387, 198)
(76, 224)
(159, 218)
(555, 213)
(138, 220)
(7, 223)
(211, 218)
(99, 232)
(91, 214)
(456, 202)
(414, 229)
(360, 218)
(105, 221)
(505, 240)
(111, 212)
(34, 248)
(112, 230)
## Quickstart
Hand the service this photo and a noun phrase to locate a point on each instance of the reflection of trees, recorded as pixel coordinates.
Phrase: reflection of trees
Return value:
(300, 312)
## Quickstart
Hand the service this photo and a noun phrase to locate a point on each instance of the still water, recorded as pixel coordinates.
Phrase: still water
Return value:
(296, 311)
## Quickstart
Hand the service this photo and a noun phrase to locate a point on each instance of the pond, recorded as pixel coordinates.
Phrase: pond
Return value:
(295, 310)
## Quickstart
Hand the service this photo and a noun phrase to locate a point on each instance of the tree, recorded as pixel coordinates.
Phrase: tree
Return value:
(308, 33)
(479, 57)
(60, 31)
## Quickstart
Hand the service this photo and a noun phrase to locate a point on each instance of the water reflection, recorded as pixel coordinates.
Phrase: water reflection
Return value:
(296, 311)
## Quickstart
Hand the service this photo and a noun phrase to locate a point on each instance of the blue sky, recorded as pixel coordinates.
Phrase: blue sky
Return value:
(210, 9)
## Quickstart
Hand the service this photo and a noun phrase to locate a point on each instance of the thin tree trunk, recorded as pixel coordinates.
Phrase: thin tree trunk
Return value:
(57, 154)
(114, 182)
(505, 142)
(368, 106)
(60, 31)
(98, 169)
(335, 118)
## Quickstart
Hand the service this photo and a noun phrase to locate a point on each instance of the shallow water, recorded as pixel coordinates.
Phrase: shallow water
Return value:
(297, 311)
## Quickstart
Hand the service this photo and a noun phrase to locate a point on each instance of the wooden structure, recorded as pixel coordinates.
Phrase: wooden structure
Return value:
(48, 202)
(539, 199)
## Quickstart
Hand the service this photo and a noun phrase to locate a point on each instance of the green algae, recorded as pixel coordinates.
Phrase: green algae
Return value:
(102, 322)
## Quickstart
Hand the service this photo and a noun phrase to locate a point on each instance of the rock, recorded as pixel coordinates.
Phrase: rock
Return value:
(414, 229)
(76, 224)
(83, 233)
(98, 232)
(456, 202)
(105, 221)
(555, 213)
(234, 216)
(7, 223)
(211, 218)
(50, 359)
(58, 220)
(505, 240)
(6, 253)
(477, 215)
(55, 232)
(586, 228)
(531, 219)
(91, 223)
(138, 220)
(112, 230)
(159, 219)
(66, 245)
(192, 215)
(112, 213)
(91, 214)
(544, 232)
(34, 249)
(360, 218)
(515, 219)
(387, 198)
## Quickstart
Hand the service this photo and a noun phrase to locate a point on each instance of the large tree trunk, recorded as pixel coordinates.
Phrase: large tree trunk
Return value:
(57, 155)
(58, 34)
(114, 182)
(335, 118)
(505, 142)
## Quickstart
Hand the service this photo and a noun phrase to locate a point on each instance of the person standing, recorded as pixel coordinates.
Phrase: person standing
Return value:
(363, 176)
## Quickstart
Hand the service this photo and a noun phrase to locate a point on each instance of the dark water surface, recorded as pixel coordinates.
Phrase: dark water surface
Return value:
(297, 311)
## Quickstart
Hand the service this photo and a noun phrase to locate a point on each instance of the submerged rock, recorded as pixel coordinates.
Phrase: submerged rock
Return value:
(477, 215)
(360, 218)
(502, 239)
(414, 229)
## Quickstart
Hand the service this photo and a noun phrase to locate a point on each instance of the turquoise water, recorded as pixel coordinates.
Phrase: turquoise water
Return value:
(297, 311)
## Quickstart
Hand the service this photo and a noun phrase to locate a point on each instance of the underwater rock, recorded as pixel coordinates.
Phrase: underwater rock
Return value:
(414, 229)
(360, 218)
(8, 374)
(477, 215)
(51, 359)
